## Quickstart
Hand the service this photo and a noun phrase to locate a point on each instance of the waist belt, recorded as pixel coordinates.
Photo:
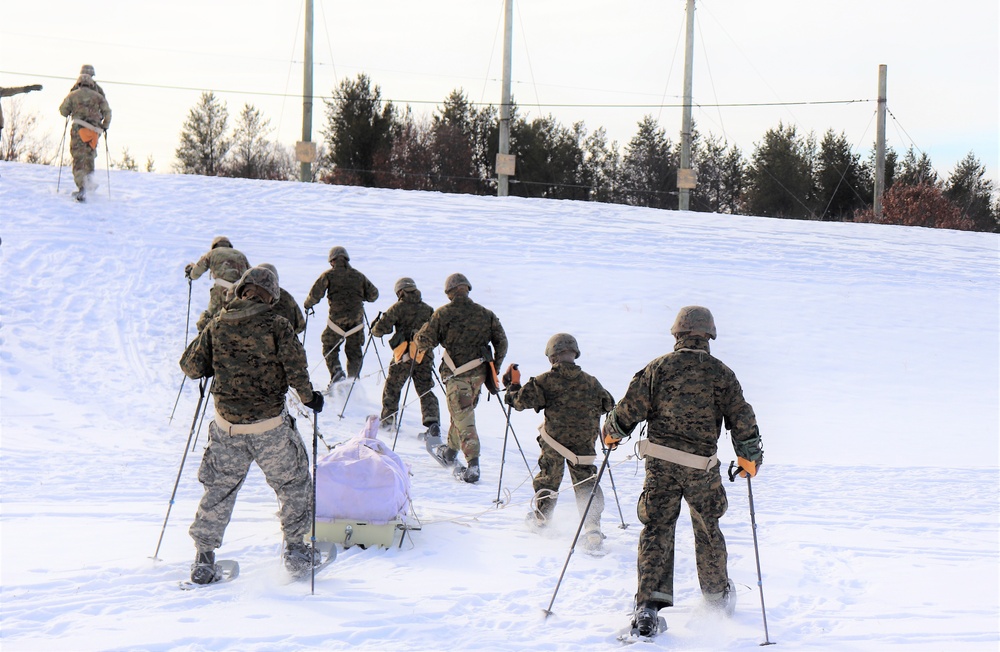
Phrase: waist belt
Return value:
(468, 366)
(571, 457)
(648, 448)
(223, 283)
(87, 125)
(340, 331)
(407, 351)
(255, 428)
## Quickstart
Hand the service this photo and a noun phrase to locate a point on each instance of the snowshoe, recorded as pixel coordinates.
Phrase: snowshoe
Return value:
(445, 456)
(206, 570)
(593, 543)
(300, 558)
(646, 624)
(726, 602)
(80, 195)
(468, 474)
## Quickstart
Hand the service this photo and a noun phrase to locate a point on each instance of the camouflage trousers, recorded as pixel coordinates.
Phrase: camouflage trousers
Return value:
(352, 348)
(83, 159)
(423, 382)
(216, 301)
(550, 474)
(658, 509)
(282, 457)
(462, 395)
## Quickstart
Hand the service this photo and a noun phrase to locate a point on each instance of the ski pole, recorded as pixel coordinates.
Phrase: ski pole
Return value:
(377, 356)
(733, 472)
(187, 327)
(107, 161)
(312, 579)
(173, 494)
(200, 423)
(406, 393)
(507, 413)
(310, 311)
(363, 353)
(579, 529)
(62, 149)
(614, 490)
(503, 458)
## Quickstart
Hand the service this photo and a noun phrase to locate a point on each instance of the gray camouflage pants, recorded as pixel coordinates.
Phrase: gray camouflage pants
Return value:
(658, 508)
(282, 457)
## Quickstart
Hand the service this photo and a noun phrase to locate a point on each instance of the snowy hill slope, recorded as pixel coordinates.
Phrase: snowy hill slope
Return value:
(870, 354)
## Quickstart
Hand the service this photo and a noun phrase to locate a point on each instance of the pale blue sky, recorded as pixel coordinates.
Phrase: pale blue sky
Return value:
(568, 56)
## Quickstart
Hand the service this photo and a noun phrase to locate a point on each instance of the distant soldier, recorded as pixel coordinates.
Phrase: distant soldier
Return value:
(346, 289)
(287, 306)
(87, 69)
(226, 265)
(15, 90)
(407, 316)
(91, 118)
(253, 357)
(685, 397)
(573, 401)
(465, 330)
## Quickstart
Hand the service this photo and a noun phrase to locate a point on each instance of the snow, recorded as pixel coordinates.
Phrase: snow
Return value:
(870, 354)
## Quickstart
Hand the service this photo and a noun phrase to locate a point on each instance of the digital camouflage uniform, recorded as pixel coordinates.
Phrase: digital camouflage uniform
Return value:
(254, 358)
(463, 327)
(573, 401)
(685, 397)
(90, 112)
(288, 307)
(406, 317)
(346, 289)
(225, 264)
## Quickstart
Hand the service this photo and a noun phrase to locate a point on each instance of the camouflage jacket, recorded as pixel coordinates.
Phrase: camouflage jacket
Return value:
(573, 401)
(406, 316)
(88, 105)
(463, 328)
(254, 357)
(224, 262)
(288, 307)
(686, 397)
(346, 289)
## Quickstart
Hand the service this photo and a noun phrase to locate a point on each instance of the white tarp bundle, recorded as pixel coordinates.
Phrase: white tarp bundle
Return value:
(362, 479)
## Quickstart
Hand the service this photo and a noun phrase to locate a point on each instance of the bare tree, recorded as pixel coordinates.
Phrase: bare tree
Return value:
(20, 141)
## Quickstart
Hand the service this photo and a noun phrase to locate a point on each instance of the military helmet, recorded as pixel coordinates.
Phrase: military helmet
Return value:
(403, 284)
(561, 342)
(262, 278)
(87, 69)
(337, 252)
(274, 270)
(694, 319)
(454, 281)
(221, 241)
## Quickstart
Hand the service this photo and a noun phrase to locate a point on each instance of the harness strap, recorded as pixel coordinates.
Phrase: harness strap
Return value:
(667, 454)
(340, 331)
(571, 457)
(255, 428)
(223, 283)
(458, 371)
(86, 125)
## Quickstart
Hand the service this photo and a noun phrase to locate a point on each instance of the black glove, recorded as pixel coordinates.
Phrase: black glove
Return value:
(187, 270)
(315, 403)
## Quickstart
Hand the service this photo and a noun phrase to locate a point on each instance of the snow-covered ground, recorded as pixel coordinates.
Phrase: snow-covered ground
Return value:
(871, 355)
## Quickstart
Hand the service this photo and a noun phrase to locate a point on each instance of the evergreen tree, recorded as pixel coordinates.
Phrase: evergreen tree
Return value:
(411, 156)
(649, 168)
(601, 167)
(127, 162)
(452, 145)
(780, 180)
(972, 192)
(252, 155)
(204, 143)
(549, 159)
(721, 174)
(359, 133)
(914, 171)
(839, 179)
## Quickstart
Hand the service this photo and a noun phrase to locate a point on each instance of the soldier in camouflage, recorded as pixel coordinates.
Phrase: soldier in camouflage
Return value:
(87, 69)
(91, 117)
(407, 316)
(346, 289)
(254, 358)
(226, 265)
(465, 331)
(287, 306)
(685, 397)
(573, 401)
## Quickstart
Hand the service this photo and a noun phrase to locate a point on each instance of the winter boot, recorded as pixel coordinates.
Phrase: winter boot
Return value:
(203, 569)
(446, 456)
(535, 520)
(645, 621)
(388, 424)
(80, 195)
(336, 376)
(299, 557)
(593, 542)
(433, 430)
(471, 473)
(725, 601)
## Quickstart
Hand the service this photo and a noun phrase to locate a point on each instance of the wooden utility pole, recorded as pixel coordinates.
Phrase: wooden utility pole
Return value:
(880, 143)
(686, 180)
(505, 162)
(305, 150)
